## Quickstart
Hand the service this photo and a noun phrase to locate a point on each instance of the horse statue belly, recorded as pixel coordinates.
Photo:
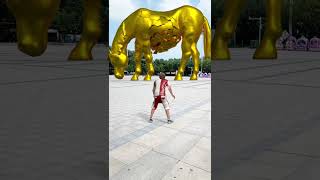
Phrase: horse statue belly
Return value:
(164, 36)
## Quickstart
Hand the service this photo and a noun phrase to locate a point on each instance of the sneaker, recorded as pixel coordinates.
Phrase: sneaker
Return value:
(150, 120)
(170, 121)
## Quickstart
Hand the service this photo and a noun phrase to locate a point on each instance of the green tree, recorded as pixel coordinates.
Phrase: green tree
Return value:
(5, 14)
(131, 63)
(206, 66)
(176, 63)
(69, 17)
(306, 18)
(188, 68)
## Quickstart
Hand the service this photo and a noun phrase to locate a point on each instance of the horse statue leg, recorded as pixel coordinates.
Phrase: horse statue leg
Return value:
(267, 49)
(150, 68)
(90, 32)
(190, 38)
(137, 70)
(33, 18)
(137, 59)
(225, 29)
(186, 53)
(195, 59)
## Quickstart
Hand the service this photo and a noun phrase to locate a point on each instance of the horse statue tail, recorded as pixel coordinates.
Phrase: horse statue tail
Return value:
(207, 38)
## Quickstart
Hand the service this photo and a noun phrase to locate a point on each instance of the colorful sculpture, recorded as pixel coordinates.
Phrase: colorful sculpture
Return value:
(314, 44)
(226, 28)
(291, 43)
(33, 18)
(302, 44)
(280, 43)
(158, 32)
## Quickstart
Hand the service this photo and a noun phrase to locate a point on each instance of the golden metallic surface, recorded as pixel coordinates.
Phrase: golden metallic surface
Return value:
(226, 28)
(157, 32)
(33, 18)
(90, 32)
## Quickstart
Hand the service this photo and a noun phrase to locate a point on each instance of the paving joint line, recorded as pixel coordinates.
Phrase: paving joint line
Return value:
(303, 165)
(50, 79)
(266, 83)
(296, 154)
(190, 150)
(283, 74)
(178, 160)
(140, 85)
(57, 67)
(265, 66)
(247, 153)
(33, 61)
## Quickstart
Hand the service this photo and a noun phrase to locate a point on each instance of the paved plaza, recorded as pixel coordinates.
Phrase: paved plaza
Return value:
(267, 117)
(266, 120)
(52, 115)
(159, 151)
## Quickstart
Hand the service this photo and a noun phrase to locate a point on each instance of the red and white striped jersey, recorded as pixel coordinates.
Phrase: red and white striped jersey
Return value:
(160, 87)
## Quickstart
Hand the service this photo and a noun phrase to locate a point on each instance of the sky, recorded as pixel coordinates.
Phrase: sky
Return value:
(120, 9)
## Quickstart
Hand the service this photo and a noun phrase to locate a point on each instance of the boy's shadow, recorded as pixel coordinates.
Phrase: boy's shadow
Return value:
(145, 117)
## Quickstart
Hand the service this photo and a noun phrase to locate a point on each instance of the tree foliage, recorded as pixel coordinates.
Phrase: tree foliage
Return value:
(70, 15)
(162, 65)
(306, 18)
(68, 19)
(5, 14)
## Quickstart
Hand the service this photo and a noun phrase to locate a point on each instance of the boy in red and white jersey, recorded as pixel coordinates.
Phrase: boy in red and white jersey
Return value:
(159, 93)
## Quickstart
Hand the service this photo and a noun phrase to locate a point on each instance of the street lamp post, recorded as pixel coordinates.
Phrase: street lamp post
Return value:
(191, 70)
(260, 25)
(201, 64)
(290, 16)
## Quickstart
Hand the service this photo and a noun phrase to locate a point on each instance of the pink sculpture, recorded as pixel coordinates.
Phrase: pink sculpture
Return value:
(314, 44)
(291, 43)
(302, 44)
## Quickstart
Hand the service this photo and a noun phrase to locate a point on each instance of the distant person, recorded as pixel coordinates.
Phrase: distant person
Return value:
(159, 94)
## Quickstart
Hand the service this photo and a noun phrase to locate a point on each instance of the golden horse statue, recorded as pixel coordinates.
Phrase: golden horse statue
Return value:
(33, 18)
(158, 32)
(226, 27)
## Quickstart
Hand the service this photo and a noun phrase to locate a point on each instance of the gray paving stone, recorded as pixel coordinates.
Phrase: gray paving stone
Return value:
(183, 171)
(266, 115)
(129, 152)
(308, 78)
(115, 166)
(280, 159)
(304, 145)
(52, 119)
(178, 145)
(308, 170)
(156, 137)
(130, 105)
(278, 70)
(23, 74)
(200, 155)
(151, 166)
(260, 170)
